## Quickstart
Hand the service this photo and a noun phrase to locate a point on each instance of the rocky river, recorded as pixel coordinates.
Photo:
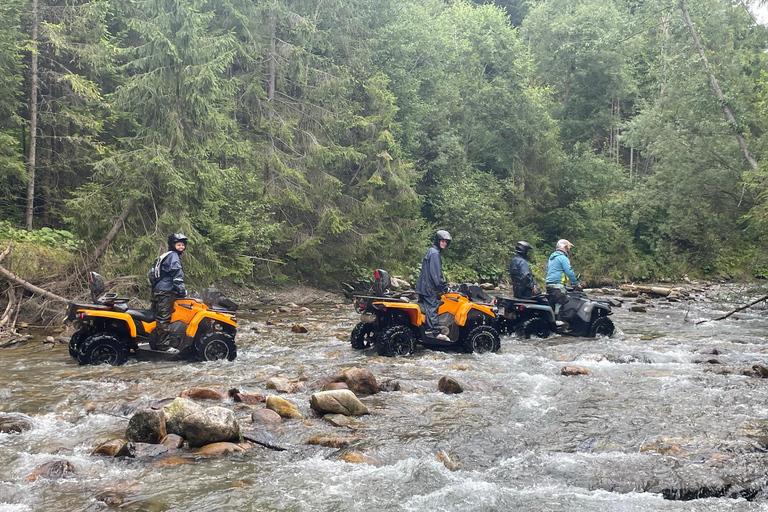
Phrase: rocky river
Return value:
(669, 414)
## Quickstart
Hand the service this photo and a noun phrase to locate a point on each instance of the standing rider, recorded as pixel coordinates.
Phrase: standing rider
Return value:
(557, 266)
(167, 279)
(523, 284)
(431, 285)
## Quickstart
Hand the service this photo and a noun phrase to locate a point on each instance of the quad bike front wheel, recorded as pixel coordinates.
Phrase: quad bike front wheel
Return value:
(398, 340)
(535, 326)
(75, 341)
(102, 348)
(603, 326)
(481, 339)
(363, 336)
(216, 345)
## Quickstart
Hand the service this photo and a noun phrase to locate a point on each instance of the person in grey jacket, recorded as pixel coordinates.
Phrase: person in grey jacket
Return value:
(523, 284)
(431, 285)
(167, 279)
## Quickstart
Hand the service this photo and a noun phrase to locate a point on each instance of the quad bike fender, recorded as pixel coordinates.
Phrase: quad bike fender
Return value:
(592, 310)
(472, 312)
(192, 327)
(114, 315)
(415, 315)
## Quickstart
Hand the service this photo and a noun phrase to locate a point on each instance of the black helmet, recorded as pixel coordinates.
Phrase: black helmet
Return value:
(176, 237)
(522, 248)
(442, 234)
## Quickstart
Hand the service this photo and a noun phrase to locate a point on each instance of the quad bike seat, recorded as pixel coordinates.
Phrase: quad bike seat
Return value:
(145, 315)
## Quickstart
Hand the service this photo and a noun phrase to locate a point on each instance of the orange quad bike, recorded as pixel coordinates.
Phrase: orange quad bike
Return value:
(108, 331)
(395, 324)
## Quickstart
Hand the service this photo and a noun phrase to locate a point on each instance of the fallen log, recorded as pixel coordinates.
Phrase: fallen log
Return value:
(653, 290)
(740, 308)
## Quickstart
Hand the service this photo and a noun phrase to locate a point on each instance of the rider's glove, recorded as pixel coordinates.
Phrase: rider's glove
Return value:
(182, 292)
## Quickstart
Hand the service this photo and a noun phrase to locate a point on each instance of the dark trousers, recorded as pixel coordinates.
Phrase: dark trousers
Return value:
(162, 303)
(431, 305)
(520, 292)
(556, 296)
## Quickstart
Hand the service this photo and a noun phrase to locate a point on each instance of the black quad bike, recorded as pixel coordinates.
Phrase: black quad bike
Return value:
(394, 324)
(580, 316)
(108, 331)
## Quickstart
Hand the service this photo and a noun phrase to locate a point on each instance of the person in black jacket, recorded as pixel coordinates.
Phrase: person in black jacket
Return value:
(431, 285)
(167, 279)
(523, 284)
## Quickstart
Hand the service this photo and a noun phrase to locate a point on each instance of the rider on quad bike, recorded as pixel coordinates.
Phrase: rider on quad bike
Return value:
(558, 266)
(431, 285)
(523, 284)
(167, 280)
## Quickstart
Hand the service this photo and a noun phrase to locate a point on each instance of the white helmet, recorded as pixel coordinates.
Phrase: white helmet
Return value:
(564, 246)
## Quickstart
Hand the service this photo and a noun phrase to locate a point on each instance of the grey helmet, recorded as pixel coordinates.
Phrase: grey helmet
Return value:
(177, 237)
(522, 249)
(442, 234)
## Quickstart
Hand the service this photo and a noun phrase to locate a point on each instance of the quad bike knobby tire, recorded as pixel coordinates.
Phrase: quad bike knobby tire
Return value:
(603, 326)
(398, 340)
(102, 348)
(363, 336)
(481, 339)
(533, 327)
(504, 325)
(216, 345)
(74, 342)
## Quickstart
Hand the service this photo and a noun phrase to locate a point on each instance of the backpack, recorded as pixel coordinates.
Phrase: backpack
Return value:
(153, 276)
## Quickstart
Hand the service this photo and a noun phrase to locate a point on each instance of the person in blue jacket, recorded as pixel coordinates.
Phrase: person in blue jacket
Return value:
(431, 285)
(558, 266)
(523, 284)
(167, 279)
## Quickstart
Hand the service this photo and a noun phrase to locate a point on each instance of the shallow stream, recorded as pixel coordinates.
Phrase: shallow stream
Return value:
(664, 416)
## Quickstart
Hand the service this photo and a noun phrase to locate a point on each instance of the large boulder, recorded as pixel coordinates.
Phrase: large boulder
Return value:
(176, 411)
(283, 407)
(211, 425)
(15, 422)
(146, 426)
(340, 401)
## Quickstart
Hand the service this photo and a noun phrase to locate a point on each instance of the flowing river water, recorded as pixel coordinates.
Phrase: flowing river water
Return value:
(664, 416)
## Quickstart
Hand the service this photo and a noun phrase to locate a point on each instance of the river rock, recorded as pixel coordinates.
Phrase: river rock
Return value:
(265, 416)
(390, 385)
(210, 425)
(360, 381)
(449, 460)
(449, 386)
(283, 407)
(283, 384)
(757, 370)
(333, 440)
(638, 309)
(340, 420)
(334, 385)
(341, 401)
(115, 448)
(298, 328)
(176, 411)
(146, 426)
(218, 449)
(204, 394)
(358, 458)
(11, 423)
(574, 370)
(149, 451)
(173, 441)
(52, 470)
(247, 398)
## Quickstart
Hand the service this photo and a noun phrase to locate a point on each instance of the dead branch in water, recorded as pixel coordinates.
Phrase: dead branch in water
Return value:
(741, 308)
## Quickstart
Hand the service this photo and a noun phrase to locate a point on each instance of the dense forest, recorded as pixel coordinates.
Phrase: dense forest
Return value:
(314, 140)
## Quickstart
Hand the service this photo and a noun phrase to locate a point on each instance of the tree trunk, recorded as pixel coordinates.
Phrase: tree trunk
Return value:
(720, 97)
(101, 249)
(32, 121)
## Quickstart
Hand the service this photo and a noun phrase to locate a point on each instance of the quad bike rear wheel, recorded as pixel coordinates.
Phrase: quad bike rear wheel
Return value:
(535, 326)
(102, 348)
(398, 340)
(75, 341)
(481, 339)
(603, 326)
(363, 336)
(504, 325)
(216, 345)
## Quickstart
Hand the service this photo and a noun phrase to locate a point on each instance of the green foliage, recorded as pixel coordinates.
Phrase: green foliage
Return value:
(54, 238)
